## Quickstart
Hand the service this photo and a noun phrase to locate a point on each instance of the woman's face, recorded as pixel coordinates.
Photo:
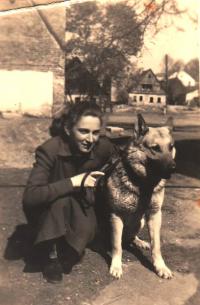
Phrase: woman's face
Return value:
(85, 133)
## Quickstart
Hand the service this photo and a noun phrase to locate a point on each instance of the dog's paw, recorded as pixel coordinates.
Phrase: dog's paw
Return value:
(116, 268)
(142, 244)
(116, 271)
(162, 270)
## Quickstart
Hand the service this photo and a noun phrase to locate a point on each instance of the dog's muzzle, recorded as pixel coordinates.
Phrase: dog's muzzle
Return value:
(163, 168)
(171, 168)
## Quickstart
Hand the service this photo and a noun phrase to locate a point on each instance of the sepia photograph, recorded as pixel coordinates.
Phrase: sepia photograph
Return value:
(99, 152)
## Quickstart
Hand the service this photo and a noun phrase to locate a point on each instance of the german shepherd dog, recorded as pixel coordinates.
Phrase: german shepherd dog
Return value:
(135, 191)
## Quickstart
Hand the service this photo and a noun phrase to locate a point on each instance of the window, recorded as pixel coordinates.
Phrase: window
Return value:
(147, 86)
(149, 76)
(77, 99)
(135, 98)
(151, 99)
(159, 100)
(141, 98)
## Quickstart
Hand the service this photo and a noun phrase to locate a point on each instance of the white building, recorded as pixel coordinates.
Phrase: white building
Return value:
(148, 91)
(192, 96)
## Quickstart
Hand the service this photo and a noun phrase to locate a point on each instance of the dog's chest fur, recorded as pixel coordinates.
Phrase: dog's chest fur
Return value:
(122, 193)
(126, 195)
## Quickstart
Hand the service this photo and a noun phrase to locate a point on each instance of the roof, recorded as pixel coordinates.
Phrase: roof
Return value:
(145, 72)
(16, 4)
(20, 44)
(184, 77)
(141, 78)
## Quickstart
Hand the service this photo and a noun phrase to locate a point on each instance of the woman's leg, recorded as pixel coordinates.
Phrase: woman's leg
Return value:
(66, 223)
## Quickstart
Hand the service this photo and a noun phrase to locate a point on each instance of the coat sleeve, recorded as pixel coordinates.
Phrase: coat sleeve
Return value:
(39, 190)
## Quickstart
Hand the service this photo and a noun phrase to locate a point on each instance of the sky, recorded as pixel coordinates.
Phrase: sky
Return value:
(179, 44)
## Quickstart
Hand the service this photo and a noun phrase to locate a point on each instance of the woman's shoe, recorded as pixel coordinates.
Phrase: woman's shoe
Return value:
(52, 271)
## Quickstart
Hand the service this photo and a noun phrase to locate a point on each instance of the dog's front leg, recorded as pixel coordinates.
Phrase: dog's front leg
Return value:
(154, 225)
(117, 229)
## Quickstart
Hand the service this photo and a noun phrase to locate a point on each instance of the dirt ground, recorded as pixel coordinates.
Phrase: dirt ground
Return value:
(90, 283)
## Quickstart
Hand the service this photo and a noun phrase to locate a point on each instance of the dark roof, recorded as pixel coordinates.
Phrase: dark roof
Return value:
(147, 71)
(79, 79)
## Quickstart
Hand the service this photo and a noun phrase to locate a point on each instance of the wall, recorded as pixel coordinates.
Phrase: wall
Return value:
(27, 45)
(134, 98)
(26, 92)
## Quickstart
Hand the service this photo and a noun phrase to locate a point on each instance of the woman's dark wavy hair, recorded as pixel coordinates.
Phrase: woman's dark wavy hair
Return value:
(70, 115)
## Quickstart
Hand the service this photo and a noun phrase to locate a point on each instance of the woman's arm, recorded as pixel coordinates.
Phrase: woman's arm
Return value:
(39, 190)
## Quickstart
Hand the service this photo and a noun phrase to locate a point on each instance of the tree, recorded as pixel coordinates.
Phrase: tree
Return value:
(177, 66)
(106, 37)
(192, 68)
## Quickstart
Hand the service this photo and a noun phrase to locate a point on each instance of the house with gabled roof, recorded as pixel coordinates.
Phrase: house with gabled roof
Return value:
(180, 84)
(148, 91)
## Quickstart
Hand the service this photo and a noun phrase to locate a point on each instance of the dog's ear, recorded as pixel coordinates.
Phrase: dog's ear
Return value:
(170, 123)
(141, 127)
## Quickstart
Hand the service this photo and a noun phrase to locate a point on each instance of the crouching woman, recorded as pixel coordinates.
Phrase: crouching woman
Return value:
(58, 201)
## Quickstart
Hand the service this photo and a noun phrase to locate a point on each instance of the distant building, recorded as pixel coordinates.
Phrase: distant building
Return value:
(184, 77)
(179, 85)
(148, 91)
(193, 98)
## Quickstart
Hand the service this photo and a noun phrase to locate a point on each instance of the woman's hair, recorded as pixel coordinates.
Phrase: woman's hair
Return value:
(80, 109)
(72, 113)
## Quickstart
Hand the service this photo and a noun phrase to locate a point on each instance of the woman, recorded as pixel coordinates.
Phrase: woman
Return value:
(57, 199)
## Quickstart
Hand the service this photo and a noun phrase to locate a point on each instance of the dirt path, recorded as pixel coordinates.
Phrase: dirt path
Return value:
(90, 282)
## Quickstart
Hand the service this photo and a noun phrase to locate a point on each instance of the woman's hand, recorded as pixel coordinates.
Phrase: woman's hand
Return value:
(90, 180)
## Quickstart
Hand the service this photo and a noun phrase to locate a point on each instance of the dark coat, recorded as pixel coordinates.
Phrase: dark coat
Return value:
(50, 202)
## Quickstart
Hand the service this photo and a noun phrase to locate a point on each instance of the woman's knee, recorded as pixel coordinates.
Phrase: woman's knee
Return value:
(59, 205)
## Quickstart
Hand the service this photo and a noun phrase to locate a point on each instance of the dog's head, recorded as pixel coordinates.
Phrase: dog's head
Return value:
(153, 149)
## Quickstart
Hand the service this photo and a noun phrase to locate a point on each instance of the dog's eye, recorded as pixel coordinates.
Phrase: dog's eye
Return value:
(171, 146)
(156, 148)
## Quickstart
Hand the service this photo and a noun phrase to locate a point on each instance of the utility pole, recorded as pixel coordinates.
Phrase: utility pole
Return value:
(166, 78)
